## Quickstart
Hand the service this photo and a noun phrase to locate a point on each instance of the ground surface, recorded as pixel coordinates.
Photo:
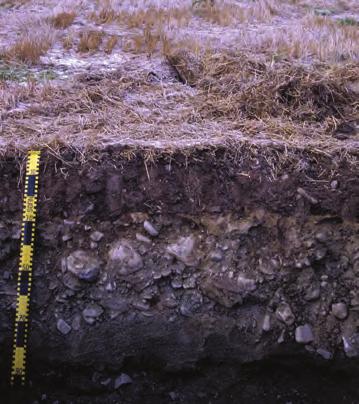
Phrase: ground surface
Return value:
(198, 199)
(167, 74)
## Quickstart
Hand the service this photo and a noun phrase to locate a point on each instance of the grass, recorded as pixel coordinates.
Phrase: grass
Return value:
(348, 22)
(12, 3)
(13, 73)
(90, 41)
(28, 49)
(21, 73)
(111, 42)
(271, 70)
(63, 20)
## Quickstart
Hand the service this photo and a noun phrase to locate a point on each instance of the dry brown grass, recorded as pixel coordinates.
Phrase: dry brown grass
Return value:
(111, 42)
(68, 42)
(316, 38)
(257, 92)
(90, 41)
(237, 87)
(225, 14)
(106, 14)
(153, 16)
(27, 49)
(63, 20)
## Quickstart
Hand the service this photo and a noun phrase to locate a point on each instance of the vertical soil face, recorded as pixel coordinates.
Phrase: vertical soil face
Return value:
(198, 279)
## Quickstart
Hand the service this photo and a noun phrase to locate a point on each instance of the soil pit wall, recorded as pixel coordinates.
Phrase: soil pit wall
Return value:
(179, 272)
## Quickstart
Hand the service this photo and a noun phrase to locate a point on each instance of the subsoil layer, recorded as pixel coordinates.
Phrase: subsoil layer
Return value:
(213, 277)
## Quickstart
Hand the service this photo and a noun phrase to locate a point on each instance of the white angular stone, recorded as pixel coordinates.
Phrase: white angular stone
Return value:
(123, 258)
(183, 250)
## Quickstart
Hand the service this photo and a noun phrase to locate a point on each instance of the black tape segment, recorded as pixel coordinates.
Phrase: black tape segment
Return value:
(31, 182)
(28, 233)
(24, 283)
(20, 334)
(18, 381)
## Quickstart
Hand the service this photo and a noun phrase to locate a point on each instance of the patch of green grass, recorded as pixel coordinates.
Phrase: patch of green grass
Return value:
(21, 73)
(47, 75)
(324, 12)
(13, 73)
(348, 21)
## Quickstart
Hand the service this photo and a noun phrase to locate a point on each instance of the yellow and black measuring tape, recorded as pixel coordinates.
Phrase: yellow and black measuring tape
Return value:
(25, 268)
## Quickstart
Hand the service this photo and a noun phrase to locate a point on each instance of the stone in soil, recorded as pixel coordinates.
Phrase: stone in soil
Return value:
(91, 313)
(340, 310)
(266, 325)
(96, 236)
(191, 302)
(304, 334)
(123, 258)
(150, 228)
(63, 327)
(84, 264)
(183, 250)
(122, 380)
(284, 313)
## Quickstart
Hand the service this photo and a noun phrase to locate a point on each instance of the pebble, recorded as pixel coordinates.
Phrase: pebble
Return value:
(312, 293)
(183, 250)
(96, 236)
(349, 348)
(150, 228)
(123, 258)
(324, 354)
(142, 238)
(150, 293)
(122, 380)
(246, 284)
(84, 265)
(71, 282)
(284, 313)
(340, 311)
(322, 236)
(191, 302)
(320, 253)
(91, 313)
(169, 300)
(216, 256)
(266, 326)
(281, 338)
(189, 283)
(177, 283)
(66, 237)
(63, 327)
(334, 184)
(304, 334)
